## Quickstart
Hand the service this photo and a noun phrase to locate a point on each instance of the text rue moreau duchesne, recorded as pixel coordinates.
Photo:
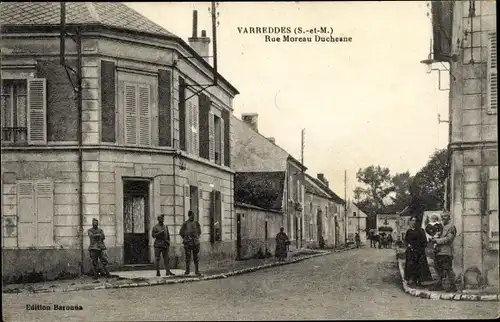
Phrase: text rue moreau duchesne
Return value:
(321, 34)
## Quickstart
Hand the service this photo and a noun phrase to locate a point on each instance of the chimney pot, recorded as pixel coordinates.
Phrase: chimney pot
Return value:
(203, 33)
(252, 120)
(195, 23)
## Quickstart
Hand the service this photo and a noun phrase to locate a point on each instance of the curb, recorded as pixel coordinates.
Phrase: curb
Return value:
(179, 281)
(433, 295)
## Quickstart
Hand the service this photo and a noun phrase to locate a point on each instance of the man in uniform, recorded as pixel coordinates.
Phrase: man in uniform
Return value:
(97, 248)
(161, 245)
(190, 233)
(444, 254)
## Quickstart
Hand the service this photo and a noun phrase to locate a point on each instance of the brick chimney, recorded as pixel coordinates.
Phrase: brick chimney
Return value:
(272, 140)
(199, 44)
(252, 120)
(322, 178)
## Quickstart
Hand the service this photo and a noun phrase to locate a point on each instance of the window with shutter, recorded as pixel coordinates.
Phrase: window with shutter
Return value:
(130, 113)
(211, 131)
(144, 118)
(217, 140)
(492, 74)
(44, 212)
(37, 111)
(26, 214)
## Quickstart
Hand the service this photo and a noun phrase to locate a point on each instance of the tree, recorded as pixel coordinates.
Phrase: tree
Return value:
(401, 197)
(428, 185)
(377, 185)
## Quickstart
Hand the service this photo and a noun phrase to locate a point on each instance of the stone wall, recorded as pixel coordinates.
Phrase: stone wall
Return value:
(474, 144)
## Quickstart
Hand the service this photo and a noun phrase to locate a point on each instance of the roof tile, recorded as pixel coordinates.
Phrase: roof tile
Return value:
(113, 14)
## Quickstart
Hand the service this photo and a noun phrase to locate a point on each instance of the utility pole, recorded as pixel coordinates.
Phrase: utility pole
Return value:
(303, 145)
(345, 207)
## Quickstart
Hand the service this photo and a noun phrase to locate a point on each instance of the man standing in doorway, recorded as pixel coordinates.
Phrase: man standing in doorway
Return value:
(190, 233)
(97, 248)
(161, 245)
(444, 254)
(357, 239)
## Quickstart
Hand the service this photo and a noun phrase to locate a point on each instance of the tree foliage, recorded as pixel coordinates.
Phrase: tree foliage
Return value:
(381, 192)
(428, 184)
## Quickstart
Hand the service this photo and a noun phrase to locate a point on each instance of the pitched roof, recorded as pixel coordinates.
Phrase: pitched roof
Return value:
(261, 189)
(114, 14)
(323, 190)
(312, 189)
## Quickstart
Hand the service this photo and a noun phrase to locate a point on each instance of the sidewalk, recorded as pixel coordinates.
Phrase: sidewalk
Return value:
(461, 295)
(124, 279)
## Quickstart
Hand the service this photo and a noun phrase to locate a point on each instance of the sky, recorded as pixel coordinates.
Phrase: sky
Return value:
(366, 102)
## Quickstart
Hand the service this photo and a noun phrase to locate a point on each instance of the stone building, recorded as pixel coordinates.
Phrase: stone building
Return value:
(252, 153)
(465, 39)
(324, 213)
(259, 208)
(151, 142)
(356, 222)
(388, 223)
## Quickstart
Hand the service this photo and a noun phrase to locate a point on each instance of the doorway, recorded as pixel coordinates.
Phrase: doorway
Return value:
(319, 221)
(238, 236)
(266, 236)
(337, 232)
(136, 222)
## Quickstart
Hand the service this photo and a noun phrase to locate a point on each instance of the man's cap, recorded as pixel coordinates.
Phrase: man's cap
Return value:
(94, 219)
(160, 216)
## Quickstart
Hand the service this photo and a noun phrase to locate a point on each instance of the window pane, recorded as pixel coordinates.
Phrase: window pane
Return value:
(138, 215)
(21, 111)
(6, 111)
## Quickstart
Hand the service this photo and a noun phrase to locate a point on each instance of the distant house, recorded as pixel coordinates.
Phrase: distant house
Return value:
(388, 223)
(259, 211)
(254, 153)
(356, 222)
(324, 213)
(150, 142)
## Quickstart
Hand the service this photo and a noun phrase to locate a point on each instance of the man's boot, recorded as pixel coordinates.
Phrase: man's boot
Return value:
(106, 272)
(96, 273)
(187, 268)
(196, 270)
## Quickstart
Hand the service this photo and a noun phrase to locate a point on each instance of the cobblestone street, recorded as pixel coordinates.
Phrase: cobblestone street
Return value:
(358, 284)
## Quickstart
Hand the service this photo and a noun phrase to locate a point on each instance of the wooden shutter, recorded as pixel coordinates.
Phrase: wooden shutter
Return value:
(196, 129)
(222, 141)
(130, 113)
(26, 233)
(44, 193)
(164, 107)
(200, 205)
(37, 111)
(182, 115)
(108, 104)
(492, 73)
(227, 138)
(211, 134)
(189, 127)
(187, 201)
(212, 216)
(492, 194)
(144, 118)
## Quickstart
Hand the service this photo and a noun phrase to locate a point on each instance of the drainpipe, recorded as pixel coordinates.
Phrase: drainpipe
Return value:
(175, 206)
(80, 141)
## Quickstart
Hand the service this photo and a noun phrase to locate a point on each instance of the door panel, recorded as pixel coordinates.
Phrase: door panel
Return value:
(136, 224)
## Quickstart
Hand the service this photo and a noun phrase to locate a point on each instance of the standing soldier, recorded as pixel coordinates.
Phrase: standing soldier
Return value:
(444, 254)
(97, 248)
(161, 245)
(190, 233)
